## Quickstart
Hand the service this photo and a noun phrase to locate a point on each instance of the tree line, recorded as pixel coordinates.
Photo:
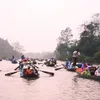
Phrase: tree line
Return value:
(88, 42)
(7, 50)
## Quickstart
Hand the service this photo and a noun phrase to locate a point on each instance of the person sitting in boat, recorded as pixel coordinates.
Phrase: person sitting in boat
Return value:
(84, 65)
(84, 68)
(22, 63)
(86, 72)
(52, 61)
(55, 61)
(97, 72)
(92, 69)
(28, 70)
(22, 57)
(13, 57)
(67, 63)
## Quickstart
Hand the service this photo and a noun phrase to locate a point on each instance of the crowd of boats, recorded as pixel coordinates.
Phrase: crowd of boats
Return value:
(28, 68)
(83, 70)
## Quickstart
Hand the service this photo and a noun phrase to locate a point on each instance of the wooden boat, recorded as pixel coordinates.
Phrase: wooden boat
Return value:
(0, 59)
(34, 74)
(14, 62)
(72, 69)
(51, 64)
(93, 77)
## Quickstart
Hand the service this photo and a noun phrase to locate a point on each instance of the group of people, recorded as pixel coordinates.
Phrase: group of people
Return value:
(76, 55)
(50, 61)
(26, 67)
(84, 67)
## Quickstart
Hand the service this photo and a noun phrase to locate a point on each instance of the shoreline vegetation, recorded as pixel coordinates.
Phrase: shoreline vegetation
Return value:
(88, 42)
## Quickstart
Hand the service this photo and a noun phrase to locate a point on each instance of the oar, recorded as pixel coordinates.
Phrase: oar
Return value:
(39, 63)
(11, 73)
(58, 65)
(50, 73)
(17, 68)
(58, 68)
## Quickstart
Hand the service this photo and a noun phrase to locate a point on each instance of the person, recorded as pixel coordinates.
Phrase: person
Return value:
(97, 72)
(22, 57)
(67, 63)
(13, 57)
(84, 65)
(76, 55)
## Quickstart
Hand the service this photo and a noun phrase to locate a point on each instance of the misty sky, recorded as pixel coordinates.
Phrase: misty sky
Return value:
(36, 24)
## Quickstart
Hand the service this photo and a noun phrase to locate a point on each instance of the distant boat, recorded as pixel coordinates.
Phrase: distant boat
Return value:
(14, 61)
(0, 59)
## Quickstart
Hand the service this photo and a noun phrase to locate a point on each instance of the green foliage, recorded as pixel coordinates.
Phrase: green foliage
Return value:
(90, 59)
(97, 56)
(82, 57)
(88, 44)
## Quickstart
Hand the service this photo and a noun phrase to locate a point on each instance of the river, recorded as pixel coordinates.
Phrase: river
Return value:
(63, 85)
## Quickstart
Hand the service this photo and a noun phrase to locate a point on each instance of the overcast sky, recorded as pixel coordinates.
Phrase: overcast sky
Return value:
(36, 24)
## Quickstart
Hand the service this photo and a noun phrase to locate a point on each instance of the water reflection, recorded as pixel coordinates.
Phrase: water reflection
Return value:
(28, 81)
(63, 85)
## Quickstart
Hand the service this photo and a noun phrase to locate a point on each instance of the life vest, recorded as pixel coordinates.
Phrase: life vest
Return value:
(86, 72)
(28, 71)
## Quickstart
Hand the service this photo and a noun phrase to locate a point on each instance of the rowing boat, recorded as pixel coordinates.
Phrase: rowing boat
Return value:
(14, 62)
(93, 77)
(24, 74)
(72, 69)
(51, 64)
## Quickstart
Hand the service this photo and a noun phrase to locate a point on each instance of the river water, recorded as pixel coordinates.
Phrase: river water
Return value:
(63, 85)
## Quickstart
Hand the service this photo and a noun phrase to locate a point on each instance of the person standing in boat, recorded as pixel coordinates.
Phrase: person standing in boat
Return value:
(76, 55)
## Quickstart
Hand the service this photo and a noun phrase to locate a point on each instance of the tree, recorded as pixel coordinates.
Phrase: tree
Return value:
(17, 47)
(66, 35)
(64, 42)
(90, 38)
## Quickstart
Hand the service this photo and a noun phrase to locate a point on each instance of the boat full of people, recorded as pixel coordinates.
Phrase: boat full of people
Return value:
(50, 62)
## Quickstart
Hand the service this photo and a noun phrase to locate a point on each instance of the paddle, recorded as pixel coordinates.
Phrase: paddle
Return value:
(39, 63)
(16, 68)
(11, 73)
(58, 68)
(50, 73)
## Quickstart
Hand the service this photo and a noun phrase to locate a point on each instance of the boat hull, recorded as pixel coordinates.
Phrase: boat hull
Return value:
(72, 69)
(14, 62)
(51, 65)
(93, 77)
(32, 76)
